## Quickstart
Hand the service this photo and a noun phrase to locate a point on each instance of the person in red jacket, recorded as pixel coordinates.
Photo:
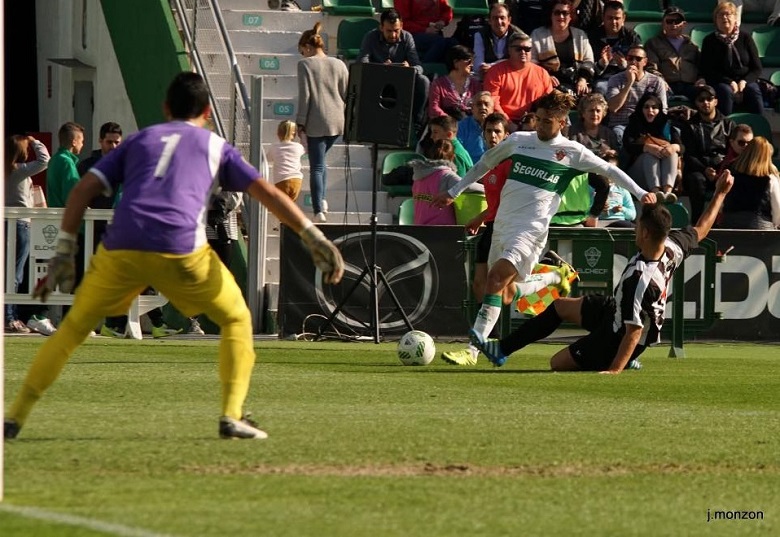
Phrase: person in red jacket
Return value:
(425, 20)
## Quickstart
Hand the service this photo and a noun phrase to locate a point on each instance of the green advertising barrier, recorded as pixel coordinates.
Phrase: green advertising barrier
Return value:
(592, 252)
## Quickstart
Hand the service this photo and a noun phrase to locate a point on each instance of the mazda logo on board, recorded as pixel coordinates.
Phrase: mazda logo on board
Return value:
(408, 266)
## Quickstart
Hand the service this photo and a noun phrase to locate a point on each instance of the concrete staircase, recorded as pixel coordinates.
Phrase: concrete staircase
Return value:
(266, 44)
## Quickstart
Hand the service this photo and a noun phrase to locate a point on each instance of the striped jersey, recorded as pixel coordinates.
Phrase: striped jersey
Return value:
(640, 295)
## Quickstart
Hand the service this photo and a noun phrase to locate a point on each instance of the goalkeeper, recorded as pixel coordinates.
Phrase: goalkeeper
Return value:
(157, 237)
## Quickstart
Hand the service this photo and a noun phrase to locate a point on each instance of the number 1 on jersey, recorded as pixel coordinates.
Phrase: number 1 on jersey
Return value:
(171, 141)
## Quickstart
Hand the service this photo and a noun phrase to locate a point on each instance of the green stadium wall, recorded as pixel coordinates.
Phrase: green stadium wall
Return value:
(149, 51)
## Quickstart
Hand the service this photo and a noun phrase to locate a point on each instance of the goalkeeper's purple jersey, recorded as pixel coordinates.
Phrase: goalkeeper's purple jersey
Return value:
(167, 173)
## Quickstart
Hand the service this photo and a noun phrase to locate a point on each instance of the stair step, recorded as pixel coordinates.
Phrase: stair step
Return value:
(255, 63)
(262, 5)
(340, 201)
(253, 19)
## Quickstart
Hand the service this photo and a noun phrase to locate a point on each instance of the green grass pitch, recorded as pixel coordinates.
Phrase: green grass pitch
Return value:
(125, 443)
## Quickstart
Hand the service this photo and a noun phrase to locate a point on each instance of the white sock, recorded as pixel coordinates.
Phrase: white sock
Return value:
(535, 282)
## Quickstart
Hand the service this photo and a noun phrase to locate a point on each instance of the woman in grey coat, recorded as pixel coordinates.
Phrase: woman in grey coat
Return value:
(322, 90)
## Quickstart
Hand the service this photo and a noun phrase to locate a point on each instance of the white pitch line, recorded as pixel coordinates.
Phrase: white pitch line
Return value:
(82, 522)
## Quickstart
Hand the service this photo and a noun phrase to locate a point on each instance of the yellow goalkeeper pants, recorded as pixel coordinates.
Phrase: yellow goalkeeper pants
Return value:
(194, 283)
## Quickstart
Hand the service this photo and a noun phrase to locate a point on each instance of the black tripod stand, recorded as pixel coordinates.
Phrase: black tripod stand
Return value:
(372, 271)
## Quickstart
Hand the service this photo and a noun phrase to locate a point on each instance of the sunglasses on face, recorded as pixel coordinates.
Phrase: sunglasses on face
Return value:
(519, 48)
(561, 13)
(673, 22)
(742, 143)
(631, 57)
(705, 99)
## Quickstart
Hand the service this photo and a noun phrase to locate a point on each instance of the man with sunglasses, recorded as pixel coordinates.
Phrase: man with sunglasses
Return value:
(517, 82)
(625, 89)
(674, 56)
(705, 137)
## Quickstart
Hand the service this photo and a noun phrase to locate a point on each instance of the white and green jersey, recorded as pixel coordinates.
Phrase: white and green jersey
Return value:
(540, 172)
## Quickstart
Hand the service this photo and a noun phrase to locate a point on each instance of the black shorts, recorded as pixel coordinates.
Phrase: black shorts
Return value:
(483, 244)
(597, 350)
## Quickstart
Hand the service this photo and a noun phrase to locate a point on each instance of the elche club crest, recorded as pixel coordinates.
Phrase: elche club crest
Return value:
(560, 154)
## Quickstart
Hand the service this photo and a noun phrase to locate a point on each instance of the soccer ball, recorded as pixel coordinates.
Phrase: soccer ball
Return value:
(416, 348)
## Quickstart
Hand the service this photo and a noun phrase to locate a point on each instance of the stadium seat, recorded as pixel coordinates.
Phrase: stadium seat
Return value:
(434, 69)
(767, 40)
(469, 7)
(699, 32)
(697, 10)
(775, 78)
(467, 206)
(757, 122)
(680, 217)
(348, 7)
(643, 11)
(350, 35)
(391, 162)
(406, 213)
(647, 30)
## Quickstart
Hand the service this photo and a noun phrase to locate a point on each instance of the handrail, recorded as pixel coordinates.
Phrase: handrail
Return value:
(195, 53)
(234, 67)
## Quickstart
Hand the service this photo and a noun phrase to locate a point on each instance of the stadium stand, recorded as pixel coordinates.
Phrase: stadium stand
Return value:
(469, 7)
(406, 213)
(350, 35)
(348, 7)
(647, 30)
(767, 40)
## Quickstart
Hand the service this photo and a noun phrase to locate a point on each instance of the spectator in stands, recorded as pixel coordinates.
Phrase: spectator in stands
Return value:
(391, 44)
(63, 174)
(588, 14)
(619, 209)
(653, 145)
(285, 156)
(18, 193)
(452, 94)
(322, 91)
(110, 138)
(774, 15)
(626, 88)
(730, 63)
(705, 138)
(434, 174)
(446, 128)
(527, 14)
(611, 43)
(563, 50)
(425, 20)
(490, 42)
(470, 128)
(741, 136)
(517, 82)
(754, 202)
(590, 132)
(674, 56)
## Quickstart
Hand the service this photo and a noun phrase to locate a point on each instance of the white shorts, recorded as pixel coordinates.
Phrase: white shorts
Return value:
(521, 248)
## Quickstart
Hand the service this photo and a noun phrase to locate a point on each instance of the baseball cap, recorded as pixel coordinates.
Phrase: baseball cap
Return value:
(674, 11)
(703, 89)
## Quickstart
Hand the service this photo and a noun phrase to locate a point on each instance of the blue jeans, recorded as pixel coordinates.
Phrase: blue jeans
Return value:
(22, 253)
(752, 100)
(318, 146)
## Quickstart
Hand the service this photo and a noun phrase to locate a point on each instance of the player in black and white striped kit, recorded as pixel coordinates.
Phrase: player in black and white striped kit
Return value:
(620, 327)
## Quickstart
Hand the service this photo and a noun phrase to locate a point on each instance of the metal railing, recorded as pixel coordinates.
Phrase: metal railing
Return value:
(203, 27)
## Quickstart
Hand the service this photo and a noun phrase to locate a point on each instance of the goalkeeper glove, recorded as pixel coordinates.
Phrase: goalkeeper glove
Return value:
(62, 268)
(324, 253)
